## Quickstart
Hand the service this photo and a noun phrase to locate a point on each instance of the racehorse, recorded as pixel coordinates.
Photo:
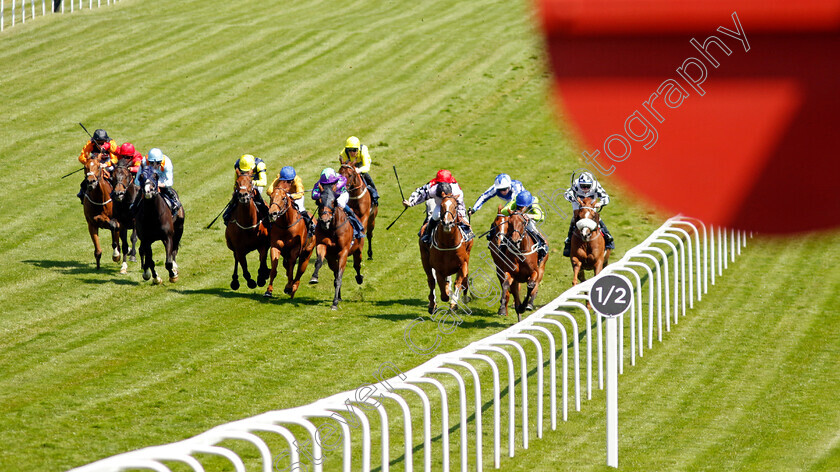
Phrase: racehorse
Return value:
(520, 250)
(587, 246)
(289, 237)
(361, 202)
(154, 222)
(124, 193)
(245, 232)
(334, 241)
(448, 253)
(99, 208)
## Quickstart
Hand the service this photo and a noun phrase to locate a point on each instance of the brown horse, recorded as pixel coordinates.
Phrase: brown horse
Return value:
(361, 202)
(334, 241)
(447, 254)
(99, 208)
(290, 238)
(245, 233)
(521, 247)
(154, 222)
(588, 246)
(124, 194)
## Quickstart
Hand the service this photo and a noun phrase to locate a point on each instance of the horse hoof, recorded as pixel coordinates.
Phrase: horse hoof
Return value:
(261, 282)
(530, 307)
(432, 308)
(147, 274)
(359, 279)
(313, 280)
(502, 312)
(173, 279)
(370, 258)
(334, 307)
(157, 281)
(124, 268)
(234, 284)
(268, 294)
(252, 283)
(116, 258)
(132, 258)
(288, 291)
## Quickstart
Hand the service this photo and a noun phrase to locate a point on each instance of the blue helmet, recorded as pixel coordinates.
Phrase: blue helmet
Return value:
(524, 199)
(287, 173)
(155, 155)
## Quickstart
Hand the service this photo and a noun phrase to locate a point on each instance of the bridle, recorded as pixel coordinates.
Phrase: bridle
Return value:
(446, 225)
(517, 243)
(246, 198)
(97, 177)
(356, 178)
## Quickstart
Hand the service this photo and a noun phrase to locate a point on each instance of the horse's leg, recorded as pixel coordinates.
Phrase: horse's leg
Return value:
(234, 279)
(132, 256)
(460, 285)
(262, 273)
(339, 273)
(371, 224)
(150, 262)
(114, 226)
(124, 241)
(443, 284)
(576, 266)
(275, 257)
(505, 281)
(243, 262)
(320, 252)
(529, 294)
(169, 245)
(144, 265)
(302, 263)
(357, 264)
(289, 265)
(94, 236)
(517, 299)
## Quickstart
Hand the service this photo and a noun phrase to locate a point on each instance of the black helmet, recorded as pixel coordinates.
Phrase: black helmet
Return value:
(443, 188)
(101, 135)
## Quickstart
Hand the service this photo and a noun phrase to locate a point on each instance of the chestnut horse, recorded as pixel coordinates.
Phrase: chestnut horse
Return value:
(522, 248)
(361, 202)
(124, 193)
(447, 254)
(588, 246)
(154, 222)
(289, 237)
(99, 208)
(245, 233)
(334, 241)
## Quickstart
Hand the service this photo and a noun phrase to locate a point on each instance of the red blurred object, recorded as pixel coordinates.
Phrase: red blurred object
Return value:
(749, 146)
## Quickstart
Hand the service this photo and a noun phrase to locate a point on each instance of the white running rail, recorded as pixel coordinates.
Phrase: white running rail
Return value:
(676, 262)
(43, 7)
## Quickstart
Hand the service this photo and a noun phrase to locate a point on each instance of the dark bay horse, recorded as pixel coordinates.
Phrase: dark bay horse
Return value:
(588, 246)
(245, 233)
(289, 237)
(334, 241)
(124, 194)
(520, 248)
(154, 222)
(99, 208)
(361, 202)
(447, 254)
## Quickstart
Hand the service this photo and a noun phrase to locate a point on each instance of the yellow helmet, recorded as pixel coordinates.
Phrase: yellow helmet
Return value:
(352, 143)
(246, 163)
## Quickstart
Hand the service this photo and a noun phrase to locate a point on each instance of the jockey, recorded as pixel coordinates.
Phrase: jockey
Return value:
(433, 190)
(162, 166)
(587, 186)
(292, 182)
(503, 187)
(256, 166)
(329, 177)
(101, 144)
(134, 158)
(529, 205)
(356, 153)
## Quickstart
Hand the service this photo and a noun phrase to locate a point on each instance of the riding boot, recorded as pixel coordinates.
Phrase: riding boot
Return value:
(374, 194)
(542, 245)
(607, 236)
(82, 189)
(468, 233)
(358, 229)
(427, 235)
(262, 209)
(567, 244)
(229, 209)
(309, 223)
(173, 197)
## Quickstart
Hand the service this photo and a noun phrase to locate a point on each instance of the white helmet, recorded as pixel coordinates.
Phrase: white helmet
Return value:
(502, 182)
(585, 182)
(155, 155)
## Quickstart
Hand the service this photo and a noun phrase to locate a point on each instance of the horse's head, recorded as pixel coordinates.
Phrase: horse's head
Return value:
(122, 180)
(500, 227)
(516, 227)
(149, 182)
(448, 206)
(244, 187)
(349, 172)
(326, 207)
(280, 204)
(588, 217)
(93, 170)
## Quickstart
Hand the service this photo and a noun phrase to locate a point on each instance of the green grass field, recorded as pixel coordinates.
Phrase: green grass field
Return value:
(93, 363)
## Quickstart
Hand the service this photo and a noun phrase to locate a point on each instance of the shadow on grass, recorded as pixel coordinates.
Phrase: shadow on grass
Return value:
(70, 267)
(470, 321)
(256, 295)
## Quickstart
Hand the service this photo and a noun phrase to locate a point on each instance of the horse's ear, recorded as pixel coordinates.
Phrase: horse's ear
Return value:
(238, 173)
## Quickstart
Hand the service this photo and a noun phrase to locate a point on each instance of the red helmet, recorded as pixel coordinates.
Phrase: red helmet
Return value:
(444, 175)
(127, 149)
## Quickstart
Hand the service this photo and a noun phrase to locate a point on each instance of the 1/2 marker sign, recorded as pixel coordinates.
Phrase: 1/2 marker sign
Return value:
(611, 295)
